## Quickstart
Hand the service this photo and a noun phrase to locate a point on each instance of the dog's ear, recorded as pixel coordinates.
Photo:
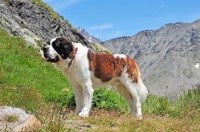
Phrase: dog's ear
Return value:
(63, 47)
(68, 48)
(56, 43)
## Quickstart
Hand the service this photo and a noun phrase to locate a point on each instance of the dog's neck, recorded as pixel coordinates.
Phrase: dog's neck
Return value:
(72, 56)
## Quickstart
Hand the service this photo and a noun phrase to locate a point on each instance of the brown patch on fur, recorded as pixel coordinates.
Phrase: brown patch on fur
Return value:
(106, 66)
(132, 69)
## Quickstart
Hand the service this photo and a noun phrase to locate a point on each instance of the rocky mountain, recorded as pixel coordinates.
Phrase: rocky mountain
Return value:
(166, 56)
(35, 22)
(89, 37)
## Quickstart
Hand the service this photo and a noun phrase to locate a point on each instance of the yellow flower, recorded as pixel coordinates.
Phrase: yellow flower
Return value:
(65, 90)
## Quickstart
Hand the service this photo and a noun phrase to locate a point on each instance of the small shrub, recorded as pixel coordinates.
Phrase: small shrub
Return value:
(54, 118)
(156, 105)
(185, 106)
(109, 100)
(102, 99)
(65, 98)
(188, 103)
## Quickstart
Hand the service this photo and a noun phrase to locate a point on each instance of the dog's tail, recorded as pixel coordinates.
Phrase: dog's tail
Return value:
(143, 92)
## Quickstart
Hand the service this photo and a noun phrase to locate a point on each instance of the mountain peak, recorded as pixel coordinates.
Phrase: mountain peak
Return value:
(86, 35)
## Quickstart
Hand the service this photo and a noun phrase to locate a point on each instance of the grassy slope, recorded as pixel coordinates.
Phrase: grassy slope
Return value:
(22, 68)
(28, 82)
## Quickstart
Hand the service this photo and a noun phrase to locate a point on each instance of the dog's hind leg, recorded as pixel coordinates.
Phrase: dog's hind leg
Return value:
(126, 94)
(133, 93)
(132, 89)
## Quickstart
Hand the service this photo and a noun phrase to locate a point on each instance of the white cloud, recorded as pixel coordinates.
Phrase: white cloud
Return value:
(101, 27)
(118, 33)
(68, 3)
(61, 4)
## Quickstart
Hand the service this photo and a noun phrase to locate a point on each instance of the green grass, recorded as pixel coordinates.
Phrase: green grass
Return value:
(109, 100)
(157, 106)
(189, 104)
(28, 82)
(23, 68)
(186, 105)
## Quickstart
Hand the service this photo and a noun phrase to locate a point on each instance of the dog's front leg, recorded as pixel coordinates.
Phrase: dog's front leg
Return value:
(78, 99)
(87, 98)
(78, 91)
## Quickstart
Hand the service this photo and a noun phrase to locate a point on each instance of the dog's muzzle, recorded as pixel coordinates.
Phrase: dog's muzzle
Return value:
(48, 57)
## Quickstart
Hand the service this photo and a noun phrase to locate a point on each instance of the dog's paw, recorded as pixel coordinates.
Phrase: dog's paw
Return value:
(139, 117)
(83, 114)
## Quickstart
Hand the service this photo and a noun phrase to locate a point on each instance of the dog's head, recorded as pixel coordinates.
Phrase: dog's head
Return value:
(58, 48)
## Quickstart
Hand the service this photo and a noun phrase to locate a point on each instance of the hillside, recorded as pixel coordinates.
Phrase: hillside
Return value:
(165, 56)
(35, 22)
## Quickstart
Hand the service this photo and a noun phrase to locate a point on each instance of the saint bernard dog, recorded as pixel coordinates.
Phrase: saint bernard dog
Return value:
(86, 69)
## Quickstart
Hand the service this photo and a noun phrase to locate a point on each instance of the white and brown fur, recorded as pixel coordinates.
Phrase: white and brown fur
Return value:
(85, 70)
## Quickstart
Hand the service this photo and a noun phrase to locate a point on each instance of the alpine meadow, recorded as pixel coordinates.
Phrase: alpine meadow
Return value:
(25, 83)
(30, 83)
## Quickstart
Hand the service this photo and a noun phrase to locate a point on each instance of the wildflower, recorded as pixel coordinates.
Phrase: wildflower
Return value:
(65, 90)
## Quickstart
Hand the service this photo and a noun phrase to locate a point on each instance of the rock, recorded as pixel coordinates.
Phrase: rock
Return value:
(34, 24)
(28, 124)
(20, 120)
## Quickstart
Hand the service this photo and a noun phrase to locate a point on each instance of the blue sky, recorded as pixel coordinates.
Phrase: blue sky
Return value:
(108, 19)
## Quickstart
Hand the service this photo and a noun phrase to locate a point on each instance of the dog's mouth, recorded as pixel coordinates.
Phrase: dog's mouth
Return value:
(52, 60)
(49, 57)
